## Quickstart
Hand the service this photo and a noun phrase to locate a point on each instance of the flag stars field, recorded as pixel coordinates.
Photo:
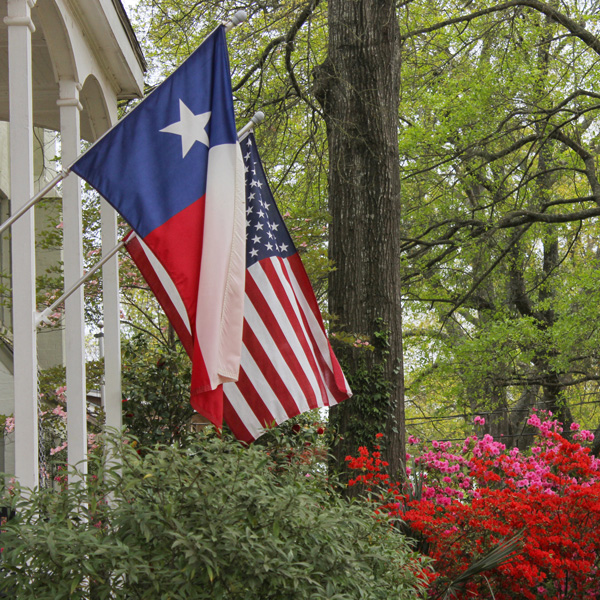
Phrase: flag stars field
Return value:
(261, 218)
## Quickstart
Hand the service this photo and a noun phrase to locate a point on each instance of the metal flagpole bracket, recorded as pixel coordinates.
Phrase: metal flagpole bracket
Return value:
(43, 317)
(256, 119)
(239, 17)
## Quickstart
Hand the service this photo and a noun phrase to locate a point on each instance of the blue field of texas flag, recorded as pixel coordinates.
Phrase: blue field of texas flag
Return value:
(173, 169)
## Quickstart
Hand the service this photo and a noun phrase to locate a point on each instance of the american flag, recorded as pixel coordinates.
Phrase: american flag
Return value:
(287, 364)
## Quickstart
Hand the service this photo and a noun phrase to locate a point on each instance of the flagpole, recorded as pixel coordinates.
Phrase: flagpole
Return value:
(256, 119)
(239, 17)
(43, 316)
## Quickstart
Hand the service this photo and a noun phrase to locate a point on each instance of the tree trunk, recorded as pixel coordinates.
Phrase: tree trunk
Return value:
(358, 87)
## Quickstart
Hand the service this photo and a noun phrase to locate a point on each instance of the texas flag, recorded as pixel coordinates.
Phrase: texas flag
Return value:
(173, 169)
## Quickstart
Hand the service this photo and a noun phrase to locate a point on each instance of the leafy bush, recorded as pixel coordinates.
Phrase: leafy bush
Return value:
(213, 520)
(156, 388)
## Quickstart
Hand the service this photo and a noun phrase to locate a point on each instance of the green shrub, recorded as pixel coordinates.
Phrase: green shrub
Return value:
(214, 520)
(156, 389)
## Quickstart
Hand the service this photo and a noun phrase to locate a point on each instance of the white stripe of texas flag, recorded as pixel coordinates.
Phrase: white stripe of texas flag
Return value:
(220, 308)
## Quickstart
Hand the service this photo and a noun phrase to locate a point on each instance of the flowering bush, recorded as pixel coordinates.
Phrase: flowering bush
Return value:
(9, 424)
(460, 500)
(53, 424)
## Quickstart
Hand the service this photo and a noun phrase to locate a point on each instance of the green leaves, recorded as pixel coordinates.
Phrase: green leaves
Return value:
(497, 144)
(215, 520)
(156, 382)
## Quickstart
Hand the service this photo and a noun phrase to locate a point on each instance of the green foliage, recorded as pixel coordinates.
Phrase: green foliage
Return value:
(304, 439)
(213, 521)
(499, 126)
(365, 364)
(156, 388)
(371, 395)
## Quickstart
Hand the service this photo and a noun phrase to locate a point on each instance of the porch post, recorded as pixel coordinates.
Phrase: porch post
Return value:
(20, 28)
(112, 320)
(70, 109)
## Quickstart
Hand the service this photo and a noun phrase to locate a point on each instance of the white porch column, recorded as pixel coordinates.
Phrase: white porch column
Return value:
(20, 28)
(70, 108)
(112, 317)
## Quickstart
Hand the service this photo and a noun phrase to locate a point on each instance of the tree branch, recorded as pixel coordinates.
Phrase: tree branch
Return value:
(588, 38)
(514, 239)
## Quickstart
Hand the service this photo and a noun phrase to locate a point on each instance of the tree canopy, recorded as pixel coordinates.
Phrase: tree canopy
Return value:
(492, 184)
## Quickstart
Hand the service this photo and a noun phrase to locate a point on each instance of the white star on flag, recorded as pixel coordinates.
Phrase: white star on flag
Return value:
(190, 127)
